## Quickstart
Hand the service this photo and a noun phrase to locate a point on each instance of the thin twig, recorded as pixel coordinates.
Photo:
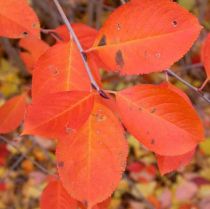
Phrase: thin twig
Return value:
(52, 33)
(204, 84)
(83, 55)
(44, 170)
(170, 72)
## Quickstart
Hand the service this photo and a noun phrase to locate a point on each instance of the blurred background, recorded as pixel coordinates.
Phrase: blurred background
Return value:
(26, 162)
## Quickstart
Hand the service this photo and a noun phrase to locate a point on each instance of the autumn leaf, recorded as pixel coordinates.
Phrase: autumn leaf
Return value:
(55, 196)
(34, 49)
(85, 34)
(145, 36)
(18, 20)
(160, 118)
(59, 69)
(205, 55)
(12, 113)
(3, 154)
(98, 157)
(58, 114)
(167, 164)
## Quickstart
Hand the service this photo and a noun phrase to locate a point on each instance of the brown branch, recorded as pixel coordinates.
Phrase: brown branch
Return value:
(197, 90)
(83, 55)
(44, 170)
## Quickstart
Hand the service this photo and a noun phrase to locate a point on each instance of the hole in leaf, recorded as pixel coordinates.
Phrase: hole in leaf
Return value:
(174, 23)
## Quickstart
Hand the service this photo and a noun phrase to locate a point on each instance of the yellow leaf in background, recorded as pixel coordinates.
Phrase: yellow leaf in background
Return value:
(205, 146)
(205, 172)
(9, 80)
(204, 191)
(188, 4)
(133, 143)
(146, 189)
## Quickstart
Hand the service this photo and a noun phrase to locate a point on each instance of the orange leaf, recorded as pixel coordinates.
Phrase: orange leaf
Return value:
(91, 162)
(35, 48)
(84, 33)
(145, 36)
(160, 118)
(17, 19)
(58, 114)
(59, 69)
(167, 164)
(12, 113)
(205, 55)
(55, 196)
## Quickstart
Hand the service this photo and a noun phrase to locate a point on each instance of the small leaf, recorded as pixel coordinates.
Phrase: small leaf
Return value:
(55, 196)
(167, 164)
(144, 42)
(3, 154)
(12, 113)
(18, 20)
(205, 55)
(160, 118)
(34, 49)
(58, 114)
(94, 158)
(84, 33)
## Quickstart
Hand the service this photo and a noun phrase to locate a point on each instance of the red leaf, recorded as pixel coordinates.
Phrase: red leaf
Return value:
(11, 113)
(3, 153)
(85, 34)
(55, 196)
(138, 38)
(17, 19)
(59, 69)
(35, 48)
(167, 164)
(91, 161)
(160, 118)
(205, 55)
(58, 114)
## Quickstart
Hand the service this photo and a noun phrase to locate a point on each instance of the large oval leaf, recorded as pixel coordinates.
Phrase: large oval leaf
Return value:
(161, 118)
(55, 196)
(58, 114)
(145, 36)
(12, 113)
(17, 19)
(91, 161)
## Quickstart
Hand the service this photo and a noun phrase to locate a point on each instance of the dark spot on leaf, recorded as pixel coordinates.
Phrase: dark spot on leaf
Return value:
(60, 164)
(118, 26)
(174, 23)
(153, 110)
(25, 33)
(140, 109)
(152, 141)
(119, 59)
(102, 42)
(85, 203)
(34, 25)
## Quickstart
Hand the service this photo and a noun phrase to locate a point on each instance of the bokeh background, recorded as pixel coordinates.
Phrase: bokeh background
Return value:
(27, 161)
